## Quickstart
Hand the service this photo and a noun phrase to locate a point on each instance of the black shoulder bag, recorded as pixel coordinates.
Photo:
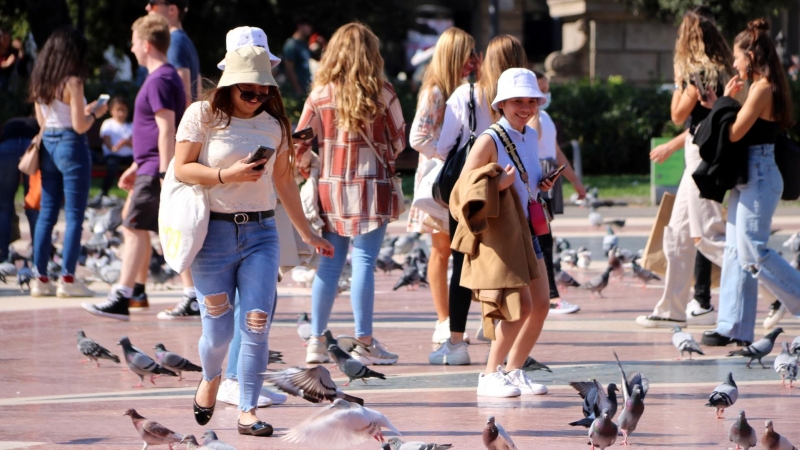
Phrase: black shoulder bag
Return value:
(451, 169)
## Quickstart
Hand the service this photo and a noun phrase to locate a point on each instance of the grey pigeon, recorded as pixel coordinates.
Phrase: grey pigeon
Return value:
(385, 262)
(7, 269)
(628, 384)
(340, 425)
(771, 440)
(562, 244)
(795, 347)
(191, 443)
(531, 365)
(569, 256)
(597, 284)
(24, 276)
(174, 361)
(152, 432)
(410, 278)
(93, 350)
(141, 364)
(684, 342)
(742, 434)
(304, 327)
(211, 441)
(344, 342)
(644, 275)
(352, 367)
(610, 240)
(595, 400)
(406, 243)
(631, 413)
(603, 432)
(565, 280)
(786, 366)
(584, 258)
(495, 436)
(724, 395)
(759, 349)
(398, 444)
(275, 357)
(616, 264)
(625, 256)
(595, 218)
(314, 384)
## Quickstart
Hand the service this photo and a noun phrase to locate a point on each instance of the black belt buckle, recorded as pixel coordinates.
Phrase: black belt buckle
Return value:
(241, 218)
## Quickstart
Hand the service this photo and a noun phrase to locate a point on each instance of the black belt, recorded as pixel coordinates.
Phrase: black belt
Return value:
(242, 217)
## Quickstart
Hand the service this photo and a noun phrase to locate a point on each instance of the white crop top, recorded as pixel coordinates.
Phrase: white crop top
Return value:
(57, 114)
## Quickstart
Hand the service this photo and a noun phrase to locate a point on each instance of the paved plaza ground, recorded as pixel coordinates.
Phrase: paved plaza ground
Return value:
(49, 399)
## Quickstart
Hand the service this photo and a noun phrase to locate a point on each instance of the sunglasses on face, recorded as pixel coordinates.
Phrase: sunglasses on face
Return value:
(249, 96)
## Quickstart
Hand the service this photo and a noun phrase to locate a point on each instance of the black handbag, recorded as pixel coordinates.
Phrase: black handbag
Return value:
(787, 158)
(451, 169)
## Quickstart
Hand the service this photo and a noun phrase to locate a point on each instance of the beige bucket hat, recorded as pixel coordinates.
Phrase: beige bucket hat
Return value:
(247, 65)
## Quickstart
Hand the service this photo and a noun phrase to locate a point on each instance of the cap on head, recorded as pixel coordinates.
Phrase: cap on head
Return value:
(247, 37)
(249, 65)
(517, 83)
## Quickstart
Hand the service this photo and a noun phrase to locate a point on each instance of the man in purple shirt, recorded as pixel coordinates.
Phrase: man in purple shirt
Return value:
(157, 111)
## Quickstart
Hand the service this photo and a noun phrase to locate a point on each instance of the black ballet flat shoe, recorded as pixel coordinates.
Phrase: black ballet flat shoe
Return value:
(202, 415)
(255, 429)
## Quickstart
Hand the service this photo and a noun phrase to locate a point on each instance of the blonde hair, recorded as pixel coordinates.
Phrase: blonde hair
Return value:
(154, 29)
(503, 52)
(701, 49)
(453, 49)
(352, 63)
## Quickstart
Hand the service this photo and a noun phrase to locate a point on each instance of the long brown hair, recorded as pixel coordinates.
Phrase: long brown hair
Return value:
(765, 61)
(64, 55)
(221, 105)
(700, 48)
(453, 49)
(353, 64)
(503, 52)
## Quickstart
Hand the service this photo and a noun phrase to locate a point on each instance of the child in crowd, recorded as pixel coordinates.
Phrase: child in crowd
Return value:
(116, 133)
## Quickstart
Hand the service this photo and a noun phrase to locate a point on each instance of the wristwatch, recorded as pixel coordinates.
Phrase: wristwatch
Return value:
(162, 175)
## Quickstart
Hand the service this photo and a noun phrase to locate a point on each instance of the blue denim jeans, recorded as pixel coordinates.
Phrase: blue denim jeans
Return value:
(362, 286)
(748, 260)
(10, 152)
(232, 367)
(245, 258)
(66, 166)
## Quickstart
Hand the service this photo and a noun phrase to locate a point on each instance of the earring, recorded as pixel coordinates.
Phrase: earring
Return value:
(749, 72)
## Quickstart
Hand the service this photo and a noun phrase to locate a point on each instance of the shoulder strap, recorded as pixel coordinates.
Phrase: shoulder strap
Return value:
(375, 151)
(471, 105)
(511, 149)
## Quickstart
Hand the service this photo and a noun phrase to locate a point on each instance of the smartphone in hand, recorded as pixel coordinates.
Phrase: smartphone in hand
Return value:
(554, 174)
(698, 82)
(304, 134)
(101, 100)
(262, 152)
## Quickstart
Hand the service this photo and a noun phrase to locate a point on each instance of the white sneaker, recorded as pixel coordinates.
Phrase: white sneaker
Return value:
(229, 393)
(774, 316)
(374, 354)
(442, 331)
(697, 315)
(74, 289)
(39, 289)
(316, 353)
(275, 397)
(479, 335)
(496, 385)
(450, 354)
(520, 379)
(563, 307)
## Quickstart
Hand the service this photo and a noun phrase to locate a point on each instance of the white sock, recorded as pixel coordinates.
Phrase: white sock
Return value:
(190, 292)
(126, 291)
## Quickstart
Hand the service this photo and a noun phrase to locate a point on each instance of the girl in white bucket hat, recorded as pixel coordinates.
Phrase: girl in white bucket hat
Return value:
(518, 99)
(215, 141)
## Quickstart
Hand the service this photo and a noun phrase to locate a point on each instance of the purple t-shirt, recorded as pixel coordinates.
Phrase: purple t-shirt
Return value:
(163, 89)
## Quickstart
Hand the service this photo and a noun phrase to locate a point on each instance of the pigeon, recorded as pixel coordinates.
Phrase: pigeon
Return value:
(411, 278)
(597, 284)
(603, 432)
(385, 262)
(619, 223)
(211, 441)
(405, 244)
(565, 280)
(151, 432)
(595, 400)
(174, 361)
(795, 347)
(631, 413)
(628, 384)
(610, 240)
(616, 264)
(303, 276)
(24, 276)
(570, 257)
(742, 434)
(759, 349)
(625, 256)
(786, 366)
(93, 350)
(304, 327)
(398, 444)
(275, 357)
(562, 244)
(340, 425)
(531, 365)
(595, 218)
(495, 436)
(7, 269)
(684, 342)
(191, 443)
(141, 364)
(644, 275)
(584, 258)
(160, 271)
(314, 384)
(351, 367)
(771, 440)
(724, 395)
(344, 342)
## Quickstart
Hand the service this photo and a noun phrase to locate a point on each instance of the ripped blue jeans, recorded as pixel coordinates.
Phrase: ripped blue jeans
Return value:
(243, 257)
(748, 261)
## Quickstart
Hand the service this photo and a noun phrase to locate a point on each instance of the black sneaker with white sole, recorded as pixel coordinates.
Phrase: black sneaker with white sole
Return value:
(187, 309)
(115, 307)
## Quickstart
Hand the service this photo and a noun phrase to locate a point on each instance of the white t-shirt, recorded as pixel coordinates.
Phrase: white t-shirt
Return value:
(456, 119)
(117, 132)
(547, 142)
(228, 145)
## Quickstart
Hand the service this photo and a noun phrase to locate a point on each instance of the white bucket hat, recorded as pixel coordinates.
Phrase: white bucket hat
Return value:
(517, 83)
(247, 65)
(247, 37)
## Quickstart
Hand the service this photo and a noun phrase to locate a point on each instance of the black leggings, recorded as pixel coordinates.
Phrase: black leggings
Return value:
(702, 280)
(460, 297)
(546, 243)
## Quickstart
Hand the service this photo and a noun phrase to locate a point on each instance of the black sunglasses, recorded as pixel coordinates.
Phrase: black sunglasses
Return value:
(248, 96)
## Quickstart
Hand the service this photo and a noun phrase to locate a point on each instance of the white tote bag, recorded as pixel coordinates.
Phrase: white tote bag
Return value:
(182, 218)
(423, 194)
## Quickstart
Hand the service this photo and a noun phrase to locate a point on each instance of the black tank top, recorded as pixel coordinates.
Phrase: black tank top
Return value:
(762, 132)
